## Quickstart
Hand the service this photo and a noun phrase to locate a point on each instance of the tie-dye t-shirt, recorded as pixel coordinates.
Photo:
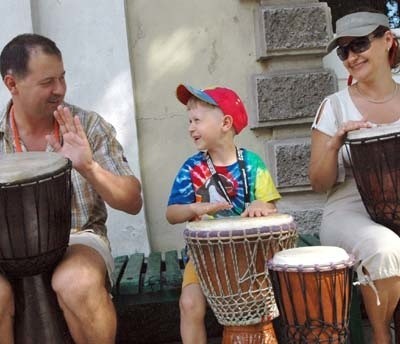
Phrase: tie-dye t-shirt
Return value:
(194, 183)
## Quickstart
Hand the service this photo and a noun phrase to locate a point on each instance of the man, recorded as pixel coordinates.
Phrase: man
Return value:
(37, 119)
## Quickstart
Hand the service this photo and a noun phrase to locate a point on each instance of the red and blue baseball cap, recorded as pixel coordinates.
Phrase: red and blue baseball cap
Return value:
(226, 99)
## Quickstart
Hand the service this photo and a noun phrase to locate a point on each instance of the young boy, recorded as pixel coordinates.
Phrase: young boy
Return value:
(221, 180)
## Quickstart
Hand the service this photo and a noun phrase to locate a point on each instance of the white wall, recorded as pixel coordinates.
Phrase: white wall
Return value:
(92, 37)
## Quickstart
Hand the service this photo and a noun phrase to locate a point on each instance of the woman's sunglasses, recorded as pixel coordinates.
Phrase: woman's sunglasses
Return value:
(357, 46)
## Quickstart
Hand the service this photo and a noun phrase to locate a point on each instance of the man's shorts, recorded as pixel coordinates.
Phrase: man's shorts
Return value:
(190, 274)
(89, 238)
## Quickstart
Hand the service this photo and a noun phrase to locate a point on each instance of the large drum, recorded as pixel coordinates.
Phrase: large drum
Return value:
(230, 256)
(313, 288)
(35, 223)
(375, 160)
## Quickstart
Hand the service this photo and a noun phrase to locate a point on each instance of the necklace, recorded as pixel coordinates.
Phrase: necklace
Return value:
(375, 101)
(17, 141)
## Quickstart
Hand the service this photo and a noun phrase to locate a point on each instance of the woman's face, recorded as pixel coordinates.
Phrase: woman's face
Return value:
(364, 56)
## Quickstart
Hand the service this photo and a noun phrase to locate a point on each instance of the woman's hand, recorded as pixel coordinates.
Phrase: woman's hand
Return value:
(338, 139)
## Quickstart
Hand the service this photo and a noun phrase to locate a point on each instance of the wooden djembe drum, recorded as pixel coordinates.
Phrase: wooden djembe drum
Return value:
(230, 257)
(313, 288)
(375, 160)
(35, 223)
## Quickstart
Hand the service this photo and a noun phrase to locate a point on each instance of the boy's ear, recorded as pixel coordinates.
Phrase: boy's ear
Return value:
(227, 122)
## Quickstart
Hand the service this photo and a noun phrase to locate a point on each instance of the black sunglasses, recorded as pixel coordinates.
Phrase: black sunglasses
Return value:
(357, 46)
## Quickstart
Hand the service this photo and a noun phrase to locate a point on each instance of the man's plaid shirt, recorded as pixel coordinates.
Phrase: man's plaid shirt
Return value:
(88, 209)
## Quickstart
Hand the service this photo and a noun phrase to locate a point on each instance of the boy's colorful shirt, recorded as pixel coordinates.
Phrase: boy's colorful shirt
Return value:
(194, 183)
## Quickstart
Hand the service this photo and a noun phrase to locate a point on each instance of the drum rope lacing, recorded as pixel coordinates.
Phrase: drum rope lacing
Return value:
(240, 295)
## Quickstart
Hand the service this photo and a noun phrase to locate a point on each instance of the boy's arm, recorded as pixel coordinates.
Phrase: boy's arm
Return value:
(178, 213)
(265, 193)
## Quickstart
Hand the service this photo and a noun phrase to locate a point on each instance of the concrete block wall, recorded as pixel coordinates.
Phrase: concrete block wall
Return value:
(291, 97)
(308, 32)
(290, 39)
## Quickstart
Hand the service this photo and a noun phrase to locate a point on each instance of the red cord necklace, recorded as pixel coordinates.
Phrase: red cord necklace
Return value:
(15, 132)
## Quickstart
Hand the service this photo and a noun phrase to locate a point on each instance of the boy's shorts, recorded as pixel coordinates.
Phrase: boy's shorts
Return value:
(190, 275)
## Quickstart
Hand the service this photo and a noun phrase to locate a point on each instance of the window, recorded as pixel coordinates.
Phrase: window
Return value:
(339, 8)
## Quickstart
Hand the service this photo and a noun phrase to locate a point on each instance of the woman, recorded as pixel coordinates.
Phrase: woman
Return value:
(368, 50)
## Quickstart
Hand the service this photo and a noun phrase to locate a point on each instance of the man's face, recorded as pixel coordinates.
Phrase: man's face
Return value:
(43, 88)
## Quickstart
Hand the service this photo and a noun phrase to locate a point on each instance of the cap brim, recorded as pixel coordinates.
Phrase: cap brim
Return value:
(357, 32)
(184, 92)
(357, 24)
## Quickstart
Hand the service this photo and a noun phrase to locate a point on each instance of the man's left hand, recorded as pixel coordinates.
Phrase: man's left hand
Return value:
(75, 144)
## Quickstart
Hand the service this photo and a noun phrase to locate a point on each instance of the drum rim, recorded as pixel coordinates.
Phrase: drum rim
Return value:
(342, 264)
(240, 233)
(374, 138)
(231, 223)
(39, 178)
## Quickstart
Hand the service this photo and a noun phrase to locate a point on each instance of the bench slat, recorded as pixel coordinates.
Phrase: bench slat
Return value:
(308, 240)
(130, 281)
(173, 274)
(120, 264)
(152, 279)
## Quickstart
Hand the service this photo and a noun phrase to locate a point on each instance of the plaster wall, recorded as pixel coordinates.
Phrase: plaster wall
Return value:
(203, 43)
(92, 36)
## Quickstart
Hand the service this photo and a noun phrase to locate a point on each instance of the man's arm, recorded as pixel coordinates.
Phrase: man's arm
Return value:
(120, 192)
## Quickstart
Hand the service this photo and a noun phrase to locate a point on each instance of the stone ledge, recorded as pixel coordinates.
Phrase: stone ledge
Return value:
(308, 32)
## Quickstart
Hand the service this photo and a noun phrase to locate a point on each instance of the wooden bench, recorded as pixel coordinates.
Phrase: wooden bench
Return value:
(146, 296)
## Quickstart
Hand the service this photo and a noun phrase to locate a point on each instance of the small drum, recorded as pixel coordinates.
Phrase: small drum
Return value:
(35, 223)
(229, 256)
(375, 160)
(313, 288)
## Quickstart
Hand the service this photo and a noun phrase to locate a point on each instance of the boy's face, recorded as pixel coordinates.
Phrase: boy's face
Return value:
(205, 125)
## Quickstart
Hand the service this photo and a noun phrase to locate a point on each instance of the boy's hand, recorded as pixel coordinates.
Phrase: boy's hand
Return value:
(259, 208)
(201, 209)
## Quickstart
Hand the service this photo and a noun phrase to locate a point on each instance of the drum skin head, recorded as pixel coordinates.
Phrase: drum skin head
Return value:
(238, 223)
(17, 167)
(311, 255)
(374, 132)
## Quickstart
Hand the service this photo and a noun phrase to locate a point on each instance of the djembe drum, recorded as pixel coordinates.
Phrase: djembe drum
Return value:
(230, 256)
(35, 223)
(375, 160)
(313, 287)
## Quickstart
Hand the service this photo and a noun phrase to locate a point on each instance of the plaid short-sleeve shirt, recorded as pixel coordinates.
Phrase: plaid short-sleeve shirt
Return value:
(88, 209)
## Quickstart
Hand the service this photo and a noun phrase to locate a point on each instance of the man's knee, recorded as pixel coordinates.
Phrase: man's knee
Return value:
(77, 278)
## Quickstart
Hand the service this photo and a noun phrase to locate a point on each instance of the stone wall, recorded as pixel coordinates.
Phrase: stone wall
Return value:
(286, 100)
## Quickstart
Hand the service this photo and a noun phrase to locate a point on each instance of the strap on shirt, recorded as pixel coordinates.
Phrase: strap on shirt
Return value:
(220, 185)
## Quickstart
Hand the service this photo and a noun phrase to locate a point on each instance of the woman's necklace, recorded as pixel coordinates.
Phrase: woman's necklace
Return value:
(375, 101)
